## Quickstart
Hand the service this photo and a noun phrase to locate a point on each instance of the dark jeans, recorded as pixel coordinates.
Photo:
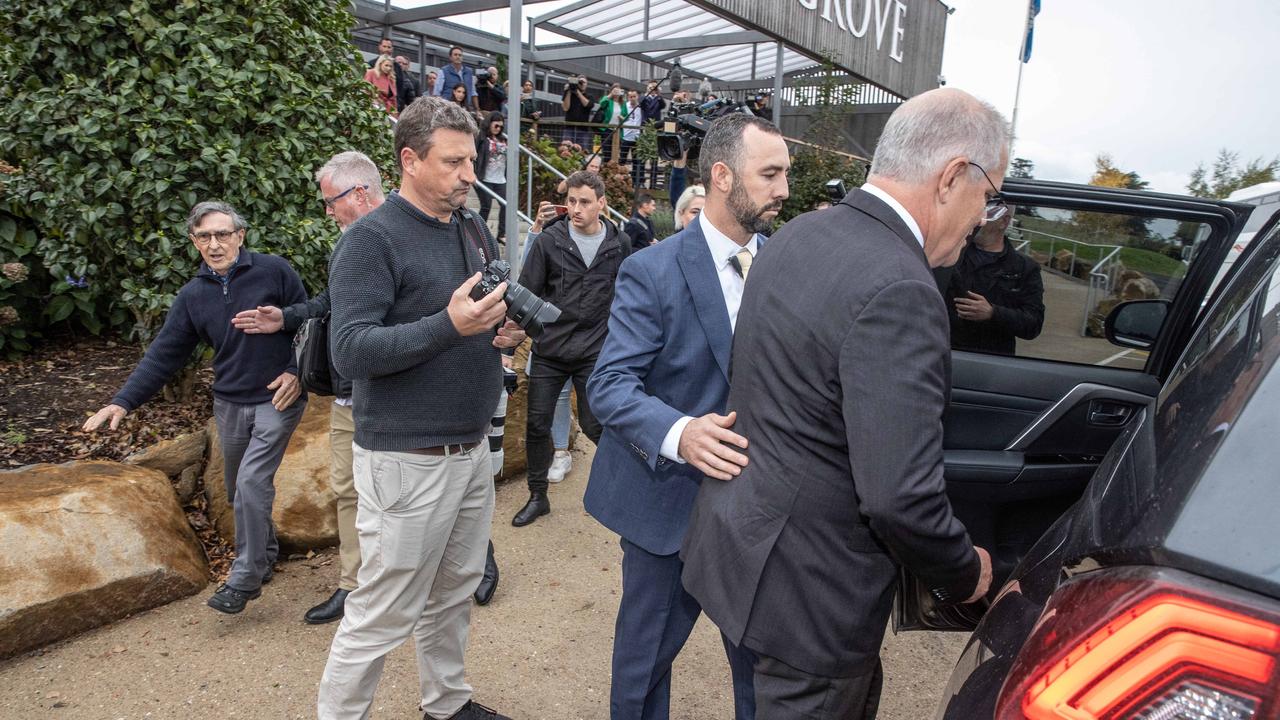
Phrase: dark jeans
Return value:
(546, 378)
(787, 693)
(486, 201)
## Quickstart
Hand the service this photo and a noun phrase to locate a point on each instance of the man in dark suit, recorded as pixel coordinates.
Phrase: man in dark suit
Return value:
(659, 389)
(840, 378)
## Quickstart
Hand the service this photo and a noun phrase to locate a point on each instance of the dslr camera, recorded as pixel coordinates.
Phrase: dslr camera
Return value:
(529, 311)
(687, 123)
(482, 75)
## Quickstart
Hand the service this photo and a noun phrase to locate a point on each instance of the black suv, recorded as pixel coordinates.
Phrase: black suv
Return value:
(1132, 512)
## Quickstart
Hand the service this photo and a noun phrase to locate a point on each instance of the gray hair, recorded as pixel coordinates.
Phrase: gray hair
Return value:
(351, 168)
(424, 116)
(932, 129)
(209, 207)
(723, 143)
(686, 199)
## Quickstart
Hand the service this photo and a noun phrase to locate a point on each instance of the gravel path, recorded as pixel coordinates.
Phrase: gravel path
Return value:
(539, 650)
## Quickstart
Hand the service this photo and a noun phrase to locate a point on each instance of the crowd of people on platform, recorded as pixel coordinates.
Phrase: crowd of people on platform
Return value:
(724, 488)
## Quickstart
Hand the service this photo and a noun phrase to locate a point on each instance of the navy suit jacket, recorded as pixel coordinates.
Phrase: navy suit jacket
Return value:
(666, 356)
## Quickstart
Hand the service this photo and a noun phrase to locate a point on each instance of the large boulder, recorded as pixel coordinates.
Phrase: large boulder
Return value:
(305, 509)
(171, 457)
(1138, 288)
(85, 543)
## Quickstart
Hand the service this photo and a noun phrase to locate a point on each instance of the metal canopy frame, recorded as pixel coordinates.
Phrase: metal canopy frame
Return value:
(707, 43)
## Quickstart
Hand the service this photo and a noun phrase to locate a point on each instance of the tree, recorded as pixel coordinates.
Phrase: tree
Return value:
(1022, 168)
(120, 115)
(1110, 227)
(812, 167)
(1226, 175)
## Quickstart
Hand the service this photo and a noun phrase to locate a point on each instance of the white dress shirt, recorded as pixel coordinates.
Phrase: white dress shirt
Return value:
(731, 284)
(893, 203)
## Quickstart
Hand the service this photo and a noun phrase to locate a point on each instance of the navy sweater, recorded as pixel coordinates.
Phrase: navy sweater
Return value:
(243, 365)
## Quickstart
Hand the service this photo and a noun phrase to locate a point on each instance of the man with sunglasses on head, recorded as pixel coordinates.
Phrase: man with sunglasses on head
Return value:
(350, 187)
(994, 293)
(257, 400)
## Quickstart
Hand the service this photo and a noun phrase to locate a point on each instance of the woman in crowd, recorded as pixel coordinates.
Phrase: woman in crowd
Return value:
(528, 106)
(459, 95)
(691, 202)
(491, 168)
(383, 78)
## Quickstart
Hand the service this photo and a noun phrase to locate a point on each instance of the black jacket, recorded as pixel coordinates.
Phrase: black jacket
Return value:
(1012, 285)
(640, 230)
(482, 155)
(554, 271)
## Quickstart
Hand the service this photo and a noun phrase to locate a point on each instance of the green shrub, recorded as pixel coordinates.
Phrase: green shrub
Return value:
(120, 115)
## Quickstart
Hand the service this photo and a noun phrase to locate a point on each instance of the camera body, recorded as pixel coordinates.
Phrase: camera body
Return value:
(835, 190)
(529, 311)
(482, 75)
(687, 123)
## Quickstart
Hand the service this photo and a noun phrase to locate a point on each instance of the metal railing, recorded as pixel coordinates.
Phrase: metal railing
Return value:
(534, 157)
(1101, 278)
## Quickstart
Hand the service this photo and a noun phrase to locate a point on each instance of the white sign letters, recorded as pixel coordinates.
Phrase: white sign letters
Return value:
(857, 17)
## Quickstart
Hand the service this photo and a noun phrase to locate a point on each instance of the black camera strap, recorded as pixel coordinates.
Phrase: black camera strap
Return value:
(469, 225)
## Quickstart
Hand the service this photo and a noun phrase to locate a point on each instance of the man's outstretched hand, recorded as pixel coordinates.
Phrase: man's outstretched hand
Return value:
(263, 320)
(114, 413)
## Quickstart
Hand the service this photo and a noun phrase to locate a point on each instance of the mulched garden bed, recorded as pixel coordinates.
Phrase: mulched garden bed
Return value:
(47, 395)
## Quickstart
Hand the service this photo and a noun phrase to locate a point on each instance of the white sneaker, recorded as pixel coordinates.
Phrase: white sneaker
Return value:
(560, 466)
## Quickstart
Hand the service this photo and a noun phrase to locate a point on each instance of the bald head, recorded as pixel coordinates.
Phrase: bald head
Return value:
(933, 128)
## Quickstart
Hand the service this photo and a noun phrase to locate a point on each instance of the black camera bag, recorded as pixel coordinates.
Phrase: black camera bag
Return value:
(311, 347)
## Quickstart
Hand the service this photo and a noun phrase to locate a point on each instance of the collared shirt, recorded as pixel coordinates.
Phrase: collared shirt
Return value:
(897, 207)
(731, 285)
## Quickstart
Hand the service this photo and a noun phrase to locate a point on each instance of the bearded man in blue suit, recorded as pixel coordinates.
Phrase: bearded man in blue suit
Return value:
(659, 388)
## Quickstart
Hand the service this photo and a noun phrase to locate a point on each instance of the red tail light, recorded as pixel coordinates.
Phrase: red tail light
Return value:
(1134, 644)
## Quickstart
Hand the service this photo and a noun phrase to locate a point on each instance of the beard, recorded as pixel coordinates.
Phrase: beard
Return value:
(749, 215)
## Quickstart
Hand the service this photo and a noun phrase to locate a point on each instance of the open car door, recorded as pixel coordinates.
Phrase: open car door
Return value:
(1024, 432)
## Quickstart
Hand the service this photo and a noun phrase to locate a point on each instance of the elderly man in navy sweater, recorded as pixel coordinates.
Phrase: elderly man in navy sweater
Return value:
(257, 400)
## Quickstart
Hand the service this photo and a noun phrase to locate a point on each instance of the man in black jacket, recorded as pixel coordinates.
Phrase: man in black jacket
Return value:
(573, 263)
(994, 293)
(351, 187)
(640, 228)
(407, 87)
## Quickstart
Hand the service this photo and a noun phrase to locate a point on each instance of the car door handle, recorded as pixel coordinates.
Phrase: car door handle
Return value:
(1107, 413)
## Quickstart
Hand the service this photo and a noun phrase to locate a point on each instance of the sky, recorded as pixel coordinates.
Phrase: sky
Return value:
(1160, 85)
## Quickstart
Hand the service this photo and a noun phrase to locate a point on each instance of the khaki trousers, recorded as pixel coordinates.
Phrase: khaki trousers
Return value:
(342, 431)
(423, 522)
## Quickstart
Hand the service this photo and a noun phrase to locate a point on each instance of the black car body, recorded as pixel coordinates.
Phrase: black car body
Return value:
(1132, 516)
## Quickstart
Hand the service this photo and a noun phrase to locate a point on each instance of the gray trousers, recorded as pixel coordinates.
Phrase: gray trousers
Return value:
(253, 439)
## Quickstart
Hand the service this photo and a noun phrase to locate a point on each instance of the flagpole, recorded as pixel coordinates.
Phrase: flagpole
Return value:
(1024, 55)
(1013, 124)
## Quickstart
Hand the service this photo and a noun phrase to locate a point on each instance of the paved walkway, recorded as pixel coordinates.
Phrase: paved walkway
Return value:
(539, 650)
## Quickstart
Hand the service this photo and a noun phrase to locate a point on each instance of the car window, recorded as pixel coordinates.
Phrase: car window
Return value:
(1050, 276)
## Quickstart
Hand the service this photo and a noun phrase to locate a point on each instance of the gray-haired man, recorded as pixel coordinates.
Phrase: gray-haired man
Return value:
(424, 359)
(256, 397)
(350, 187)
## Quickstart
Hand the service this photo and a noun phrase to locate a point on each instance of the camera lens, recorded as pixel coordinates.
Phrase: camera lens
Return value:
(529, 311)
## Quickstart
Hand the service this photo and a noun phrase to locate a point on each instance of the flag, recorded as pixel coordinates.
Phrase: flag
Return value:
(1033, 9)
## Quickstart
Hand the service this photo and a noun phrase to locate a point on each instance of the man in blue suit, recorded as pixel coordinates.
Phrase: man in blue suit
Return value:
(659, 386)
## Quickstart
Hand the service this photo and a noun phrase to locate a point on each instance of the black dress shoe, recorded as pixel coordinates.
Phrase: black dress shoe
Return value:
(474, 711)
(230, 600)
(488, 583)
(329, 610)
(537, 506)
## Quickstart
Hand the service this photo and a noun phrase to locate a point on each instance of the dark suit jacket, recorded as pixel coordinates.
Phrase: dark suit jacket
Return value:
(839, 377)
(666, 356)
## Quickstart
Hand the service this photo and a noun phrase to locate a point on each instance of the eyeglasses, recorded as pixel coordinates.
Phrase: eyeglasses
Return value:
(996, 207)
(204, 238)
(330, 202)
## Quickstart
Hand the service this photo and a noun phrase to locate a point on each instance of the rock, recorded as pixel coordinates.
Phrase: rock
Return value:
(1139, 288)
(305, 509)
(188, 484)
(1040, 258)
(86, 543)
(1062, 260)
(171, 456)
(1083, 268)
